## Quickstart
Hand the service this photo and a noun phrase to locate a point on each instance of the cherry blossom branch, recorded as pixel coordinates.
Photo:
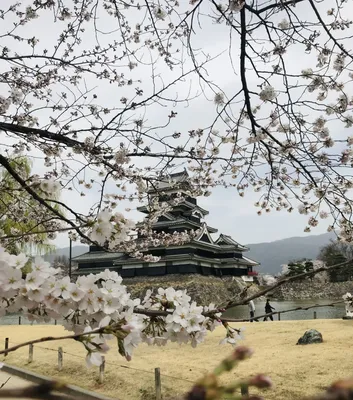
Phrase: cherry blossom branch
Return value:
(335, 41)
(43, 133)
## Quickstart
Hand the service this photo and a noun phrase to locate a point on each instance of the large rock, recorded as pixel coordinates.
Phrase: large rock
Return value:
(311, 336)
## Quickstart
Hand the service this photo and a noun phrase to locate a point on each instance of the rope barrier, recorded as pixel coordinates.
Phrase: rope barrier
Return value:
(113, 364)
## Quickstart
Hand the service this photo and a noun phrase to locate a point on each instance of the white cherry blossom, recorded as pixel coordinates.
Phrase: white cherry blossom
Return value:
(34, 280)
(102, 302)
(11, 278)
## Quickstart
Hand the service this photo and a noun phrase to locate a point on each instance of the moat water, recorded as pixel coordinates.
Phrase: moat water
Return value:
(337, 311)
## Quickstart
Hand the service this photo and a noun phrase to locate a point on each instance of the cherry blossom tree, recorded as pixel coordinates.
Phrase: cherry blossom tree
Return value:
(100, 93)
(102, 105)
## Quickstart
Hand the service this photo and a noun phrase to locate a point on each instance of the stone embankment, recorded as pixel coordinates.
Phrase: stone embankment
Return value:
(309, 289)
(211, 289)
(202, 289)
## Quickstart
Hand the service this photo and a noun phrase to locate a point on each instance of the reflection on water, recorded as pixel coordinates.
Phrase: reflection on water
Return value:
(337, 311)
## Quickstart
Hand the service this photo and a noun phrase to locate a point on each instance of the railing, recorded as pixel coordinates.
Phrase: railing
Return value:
(252, 273)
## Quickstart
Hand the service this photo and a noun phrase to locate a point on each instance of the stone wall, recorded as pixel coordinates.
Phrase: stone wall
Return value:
(212, 289)
(312, 290)
(202, 289)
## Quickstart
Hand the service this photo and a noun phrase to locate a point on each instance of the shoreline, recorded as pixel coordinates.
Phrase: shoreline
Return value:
(210, 289)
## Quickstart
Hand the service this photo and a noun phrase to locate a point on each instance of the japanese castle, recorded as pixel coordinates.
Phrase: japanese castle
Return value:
(202, 255)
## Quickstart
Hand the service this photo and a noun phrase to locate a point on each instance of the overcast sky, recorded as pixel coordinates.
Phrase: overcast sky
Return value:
(229, 213)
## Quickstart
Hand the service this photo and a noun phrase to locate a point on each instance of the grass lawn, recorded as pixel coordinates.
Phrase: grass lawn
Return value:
(295, 370)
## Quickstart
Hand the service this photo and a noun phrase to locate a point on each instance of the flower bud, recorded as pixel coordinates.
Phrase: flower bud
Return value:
(196, 393)
(242, 353)
(346, 384)
(260, 381)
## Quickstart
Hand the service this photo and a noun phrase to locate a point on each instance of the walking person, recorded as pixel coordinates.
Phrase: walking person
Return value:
(251, 305)
(268, 310)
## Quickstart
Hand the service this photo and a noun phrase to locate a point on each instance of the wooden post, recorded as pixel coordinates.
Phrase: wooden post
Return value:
(30, 353)
(70, 259)
(60, 358)
(314, 314)
(157, 380)
(19, 320)
(6, 345)
(279, 316)
(101, 370)
(55, 322)
(244, 390)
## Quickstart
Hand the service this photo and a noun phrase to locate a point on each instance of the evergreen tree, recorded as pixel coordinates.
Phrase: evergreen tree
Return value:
(336, 253)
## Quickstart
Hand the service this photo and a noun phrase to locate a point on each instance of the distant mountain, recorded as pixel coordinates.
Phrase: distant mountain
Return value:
(273, 254)
(65, 251)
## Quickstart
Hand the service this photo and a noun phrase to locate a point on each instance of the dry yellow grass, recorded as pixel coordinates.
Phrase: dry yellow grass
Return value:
(295, 370)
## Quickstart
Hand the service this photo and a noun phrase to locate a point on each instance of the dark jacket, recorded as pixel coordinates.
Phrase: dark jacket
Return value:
(268, 308)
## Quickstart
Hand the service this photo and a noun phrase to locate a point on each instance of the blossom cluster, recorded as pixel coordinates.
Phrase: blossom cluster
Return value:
(98, 307)
(268, 93)
(348, 298)
(111, 226)
(236, 5)
(50, 187)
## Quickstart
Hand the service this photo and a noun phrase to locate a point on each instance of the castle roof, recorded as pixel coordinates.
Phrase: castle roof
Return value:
(180, 222)
(97, 255)
(224, 240)
(170, 182)
(185, 204)
(202, 254)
